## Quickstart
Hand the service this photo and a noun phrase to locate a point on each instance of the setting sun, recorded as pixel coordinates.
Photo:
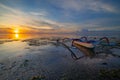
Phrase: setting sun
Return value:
(16, 31)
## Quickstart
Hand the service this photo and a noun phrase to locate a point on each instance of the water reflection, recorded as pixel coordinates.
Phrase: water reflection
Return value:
(30, 36)
(44, 41)
(87, 51)
(39, 56)
(17, 36)
(91, 53)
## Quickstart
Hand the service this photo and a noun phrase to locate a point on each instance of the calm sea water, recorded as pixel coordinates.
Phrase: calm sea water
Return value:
(27, 36)
(23, 56)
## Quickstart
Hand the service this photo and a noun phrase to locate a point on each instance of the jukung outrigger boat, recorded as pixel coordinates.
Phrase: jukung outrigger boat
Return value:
(92, 43)
(83, 43)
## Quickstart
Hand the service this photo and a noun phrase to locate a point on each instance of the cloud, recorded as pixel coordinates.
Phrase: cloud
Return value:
(42, 13)
(84, 5)
(101, 24)
(34, 19)
(39, 19)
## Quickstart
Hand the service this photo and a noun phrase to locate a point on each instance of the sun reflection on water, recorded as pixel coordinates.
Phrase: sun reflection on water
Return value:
(16, 36)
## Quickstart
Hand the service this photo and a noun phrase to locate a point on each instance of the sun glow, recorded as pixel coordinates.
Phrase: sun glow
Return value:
(16, 36)
(16, 31)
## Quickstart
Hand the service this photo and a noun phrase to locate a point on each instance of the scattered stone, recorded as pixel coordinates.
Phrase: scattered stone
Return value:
(41, 77)
(27, 48)
(113, 74)
(25, 63)
(104, 63)
(2, 66)
(1, 42)
(12, 65)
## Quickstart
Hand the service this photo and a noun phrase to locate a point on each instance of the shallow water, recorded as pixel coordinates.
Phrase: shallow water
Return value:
(44, 57)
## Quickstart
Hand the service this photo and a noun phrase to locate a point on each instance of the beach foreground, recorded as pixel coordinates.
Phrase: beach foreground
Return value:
(45, 59)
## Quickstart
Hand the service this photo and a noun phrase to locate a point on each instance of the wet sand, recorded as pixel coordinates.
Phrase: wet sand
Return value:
(45, 59)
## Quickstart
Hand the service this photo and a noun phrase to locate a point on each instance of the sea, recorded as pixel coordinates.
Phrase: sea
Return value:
(41, 57)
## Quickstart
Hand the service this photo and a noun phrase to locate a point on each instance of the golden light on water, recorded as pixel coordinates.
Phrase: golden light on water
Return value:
(16, 36)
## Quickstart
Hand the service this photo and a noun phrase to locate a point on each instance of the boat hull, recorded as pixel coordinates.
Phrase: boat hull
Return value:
(84, 44)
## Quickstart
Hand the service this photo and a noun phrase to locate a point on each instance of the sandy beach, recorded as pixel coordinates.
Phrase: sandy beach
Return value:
(45, 59)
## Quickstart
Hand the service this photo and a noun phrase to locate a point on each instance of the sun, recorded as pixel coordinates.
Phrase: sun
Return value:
(16, 31)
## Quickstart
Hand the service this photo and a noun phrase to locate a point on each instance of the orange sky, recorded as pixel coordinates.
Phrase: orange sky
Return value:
(32, 30)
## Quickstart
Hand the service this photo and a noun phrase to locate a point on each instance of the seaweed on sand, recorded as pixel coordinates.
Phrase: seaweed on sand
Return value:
(1, 42)
(41, 77)
(113, 74)
(25, 63)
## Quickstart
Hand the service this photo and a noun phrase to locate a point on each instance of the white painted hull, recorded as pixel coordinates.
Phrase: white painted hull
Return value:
(84, 44)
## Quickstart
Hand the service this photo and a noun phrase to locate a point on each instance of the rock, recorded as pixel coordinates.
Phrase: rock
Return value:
(104, 63)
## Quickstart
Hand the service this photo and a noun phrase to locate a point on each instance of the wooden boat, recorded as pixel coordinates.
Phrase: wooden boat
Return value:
(84, 44)
(83, 41)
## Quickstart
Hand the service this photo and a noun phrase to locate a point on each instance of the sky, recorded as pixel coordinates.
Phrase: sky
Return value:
(60, 15)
